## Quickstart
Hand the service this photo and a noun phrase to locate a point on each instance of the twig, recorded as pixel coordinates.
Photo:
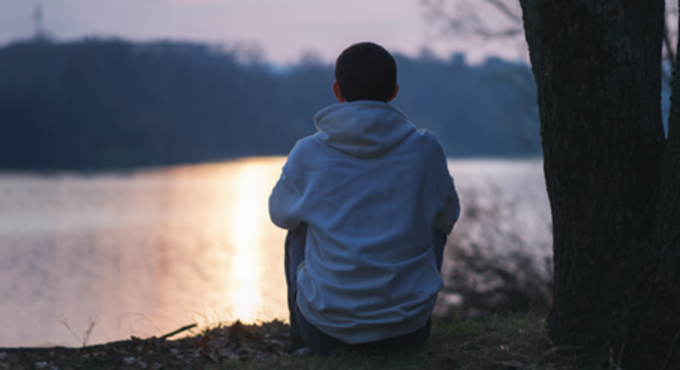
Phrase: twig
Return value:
(183, 328)
(64, 321)
(504, 9)
(120, 343)
(669, 47)
(621, 354)
(90, 325)
(86, 335)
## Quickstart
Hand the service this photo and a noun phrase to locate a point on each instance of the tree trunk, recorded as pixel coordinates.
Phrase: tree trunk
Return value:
(655, 336)
(597, 65)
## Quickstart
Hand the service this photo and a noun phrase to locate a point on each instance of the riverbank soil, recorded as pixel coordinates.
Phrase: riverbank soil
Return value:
(514, 341)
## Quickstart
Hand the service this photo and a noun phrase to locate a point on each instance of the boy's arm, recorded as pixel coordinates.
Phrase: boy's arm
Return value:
(284, 204)
(449, 210)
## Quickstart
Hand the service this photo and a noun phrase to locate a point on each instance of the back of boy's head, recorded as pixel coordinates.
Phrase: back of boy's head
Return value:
(366, 71)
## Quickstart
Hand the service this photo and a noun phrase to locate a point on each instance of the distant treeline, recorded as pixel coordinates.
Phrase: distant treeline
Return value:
(114, 104)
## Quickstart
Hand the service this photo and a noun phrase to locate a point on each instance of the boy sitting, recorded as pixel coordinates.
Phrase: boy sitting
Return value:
(368, 202)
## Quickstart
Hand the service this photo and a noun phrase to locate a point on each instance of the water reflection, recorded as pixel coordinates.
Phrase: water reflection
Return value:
(148, 252)
(144, 253)
(223, 232)
(248, 218)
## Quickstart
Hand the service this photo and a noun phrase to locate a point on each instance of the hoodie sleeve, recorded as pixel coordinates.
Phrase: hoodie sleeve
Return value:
(284, 203)
(449, 210)
(448, 215)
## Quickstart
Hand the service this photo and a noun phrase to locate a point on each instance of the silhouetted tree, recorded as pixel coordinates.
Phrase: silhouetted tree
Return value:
(612, 178)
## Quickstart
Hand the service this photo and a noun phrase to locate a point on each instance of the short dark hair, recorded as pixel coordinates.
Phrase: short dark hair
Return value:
(366, 71)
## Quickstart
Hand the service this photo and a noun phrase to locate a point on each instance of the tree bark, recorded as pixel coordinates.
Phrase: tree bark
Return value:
(655, 334)
(597, 65)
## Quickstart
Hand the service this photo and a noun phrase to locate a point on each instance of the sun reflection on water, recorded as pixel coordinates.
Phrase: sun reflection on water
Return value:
(246, 268)
(220, 245)
(151, 251)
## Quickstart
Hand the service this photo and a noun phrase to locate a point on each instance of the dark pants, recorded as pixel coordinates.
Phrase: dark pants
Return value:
(304, 333)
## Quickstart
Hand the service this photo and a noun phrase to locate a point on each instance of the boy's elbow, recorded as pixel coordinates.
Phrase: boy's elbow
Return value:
(448, 216)
(284, 204)
(453, 205)
(280, 218)
(455, 213)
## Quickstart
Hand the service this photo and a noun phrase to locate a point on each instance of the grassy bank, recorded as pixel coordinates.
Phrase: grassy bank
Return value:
(517, 341)
(500, 342)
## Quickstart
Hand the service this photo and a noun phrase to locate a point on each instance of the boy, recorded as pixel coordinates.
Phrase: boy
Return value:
(368, 202)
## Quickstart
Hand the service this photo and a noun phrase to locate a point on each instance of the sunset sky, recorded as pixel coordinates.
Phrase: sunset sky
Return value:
(283, 29)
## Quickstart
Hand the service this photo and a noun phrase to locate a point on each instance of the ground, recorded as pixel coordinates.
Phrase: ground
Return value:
(513, 341)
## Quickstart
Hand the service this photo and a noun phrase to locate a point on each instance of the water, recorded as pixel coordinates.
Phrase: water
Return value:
(144, 253)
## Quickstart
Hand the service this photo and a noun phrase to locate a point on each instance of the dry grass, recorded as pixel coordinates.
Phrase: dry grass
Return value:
(514, 341)
(517, 341)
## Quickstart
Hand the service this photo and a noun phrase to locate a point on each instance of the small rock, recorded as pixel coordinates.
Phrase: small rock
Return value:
(129, 360)
(304, 351)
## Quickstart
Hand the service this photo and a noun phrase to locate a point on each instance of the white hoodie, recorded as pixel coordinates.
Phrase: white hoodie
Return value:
(372, 189)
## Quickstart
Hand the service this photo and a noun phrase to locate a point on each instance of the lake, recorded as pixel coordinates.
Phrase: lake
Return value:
(145, 252)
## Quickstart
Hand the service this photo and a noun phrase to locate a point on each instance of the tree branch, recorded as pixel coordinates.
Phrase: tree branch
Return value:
(504, 9)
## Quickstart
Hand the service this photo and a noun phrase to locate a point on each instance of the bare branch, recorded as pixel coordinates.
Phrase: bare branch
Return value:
(670, 55)
(504, 9)
(490, 19)
(670, 36)
(183, 328)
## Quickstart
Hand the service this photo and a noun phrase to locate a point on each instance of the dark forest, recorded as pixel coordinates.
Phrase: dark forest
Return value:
(113, 104)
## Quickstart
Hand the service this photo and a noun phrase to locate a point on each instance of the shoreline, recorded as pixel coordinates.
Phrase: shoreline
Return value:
(503, 341)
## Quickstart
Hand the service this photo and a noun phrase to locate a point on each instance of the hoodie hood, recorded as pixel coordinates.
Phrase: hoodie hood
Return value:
(362, 129)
